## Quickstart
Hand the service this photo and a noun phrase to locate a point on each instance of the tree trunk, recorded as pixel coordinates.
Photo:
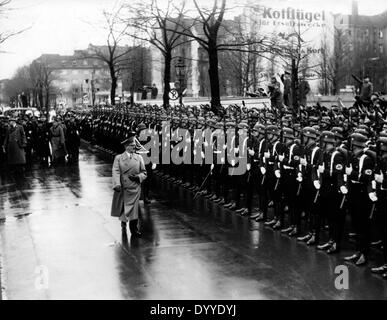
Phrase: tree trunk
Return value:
(40, 97)
(47, 100)
(294, 85)
(167, 77)
(254, 71)
(213, 73)
(113, 85)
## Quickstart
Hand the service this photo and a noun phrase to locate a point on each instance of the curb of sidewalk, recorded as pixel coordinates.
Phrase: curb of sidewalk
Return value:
(3, 295)
(93, 147)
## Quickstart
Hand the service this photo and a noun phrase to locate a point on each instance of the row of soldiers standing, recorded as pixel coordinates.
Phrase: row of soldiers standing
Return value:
(311, 170)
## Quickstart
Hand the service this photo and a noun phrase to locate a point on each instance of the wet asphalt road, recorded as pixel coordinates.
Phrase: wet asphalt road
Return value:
(58, 241)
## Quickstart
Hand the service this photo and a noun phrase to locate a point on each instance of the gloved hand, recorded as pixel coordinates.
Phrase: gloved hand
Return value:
(248, 166)
(317, 184)
(233, 162)
(135, 178)
(205, 144)
(379, 178)
(373, 196)
(251, 152)
(154, 165)
(348, 170)
(321, 168)
(263, 170)
(236, 150)
(277, 173)
(281, 157)
(202, 153)
(267, 154)
(117, 188)
(212, 166)
(303, 161)
(344, 189)
(299, 177)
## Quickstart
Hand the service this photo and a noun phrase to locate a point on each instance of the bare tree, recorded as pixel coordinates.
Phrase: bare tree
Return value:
(242, 63)
(158, 26)
(114, 54)
(4, 10)
(41, 78)
(215, 34)
(335, 67)
(293, 51)
(20, 82)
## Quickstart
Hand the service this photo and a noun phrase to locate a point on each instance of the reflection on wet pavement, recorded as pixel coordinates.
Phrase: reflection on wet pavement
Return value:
(59, 242)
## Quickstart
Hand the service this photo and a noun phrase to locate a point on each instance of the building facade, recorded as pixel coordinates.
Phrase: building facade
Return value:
(242, 71)
(367, 37)
(82, 79)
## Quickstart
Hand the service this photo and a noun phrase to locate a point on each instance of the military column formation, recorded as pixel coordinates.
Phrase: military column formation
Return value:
(321, 169)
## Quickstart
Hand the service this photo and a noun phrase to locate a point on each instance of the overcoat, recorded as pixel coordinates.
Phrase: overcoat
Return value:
(57, 141)
(127, 201)
(14, 144)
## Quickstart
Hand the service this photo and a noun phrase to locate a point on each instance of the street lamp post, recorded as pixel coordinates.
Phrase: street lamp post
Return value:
(180, 72)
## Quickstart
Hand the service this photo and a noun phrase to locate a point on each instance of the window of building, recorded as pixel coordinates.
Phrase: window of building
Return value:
(381, 34)
(381, 48)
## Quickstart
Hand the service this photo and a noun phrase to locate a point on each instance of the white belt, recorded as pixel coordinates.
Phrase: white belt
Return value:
(288, 168)
(356, 182)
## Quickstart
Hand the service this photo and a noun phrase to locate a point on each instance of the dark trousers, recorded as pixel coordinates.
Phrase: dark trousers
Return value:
(305, 202)
(275, 187)
(289, 187)
(327, 208)
(266, 187)
(360, 209)
(240, 187)
(252, 186)
(382, 220)
(133, 226)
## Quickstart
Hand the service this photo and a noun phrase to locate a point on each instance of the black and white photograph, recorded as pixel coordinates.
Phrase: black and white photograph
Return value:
(202, 152)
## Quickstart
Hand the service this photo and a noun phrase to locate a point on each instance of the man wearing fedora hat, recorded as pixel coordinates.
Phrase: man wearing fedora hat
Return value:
(128, 173)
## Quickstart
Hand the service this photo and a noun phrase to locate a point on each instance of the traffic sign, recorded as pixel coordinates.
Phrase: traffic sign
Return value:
(173, 94)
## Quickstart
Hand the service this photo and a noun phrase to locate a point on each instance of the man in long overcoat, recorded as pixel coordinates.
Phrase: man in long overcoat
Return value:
(14, 144)
(57, 142)
(128, 173)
